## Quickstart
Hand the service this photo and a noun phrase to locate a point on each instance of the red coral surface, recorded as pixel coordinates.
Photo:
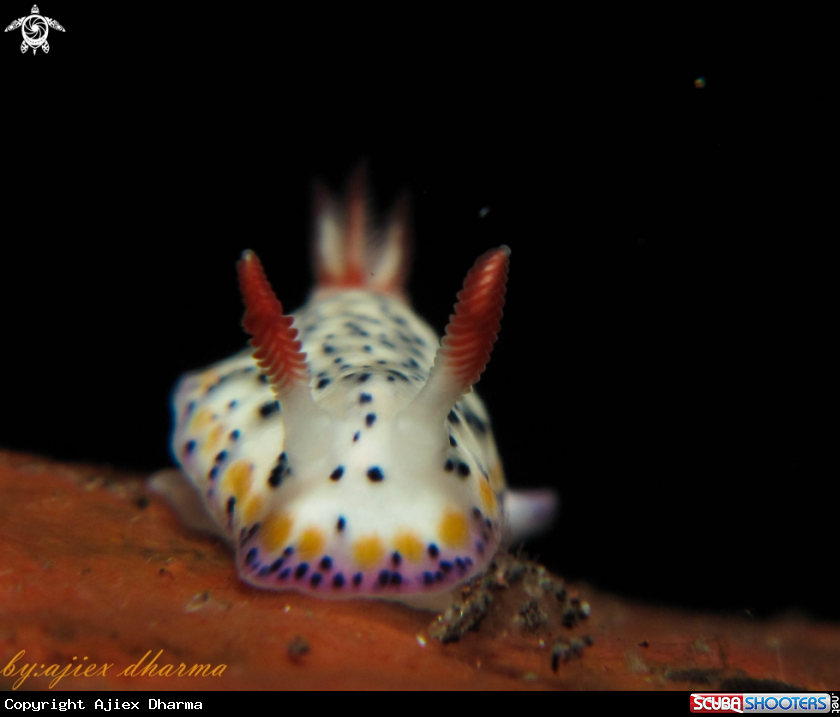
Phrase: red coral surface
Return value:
(93, 569)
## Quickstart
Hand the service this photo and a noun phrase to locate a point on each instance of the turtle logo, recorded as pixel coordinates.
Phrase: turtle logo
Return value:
(35, 28)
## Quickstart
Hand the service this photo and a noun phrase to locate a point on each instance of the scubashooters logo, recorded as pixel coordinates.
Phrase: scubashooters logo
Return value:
(35, 28)
(755, 702)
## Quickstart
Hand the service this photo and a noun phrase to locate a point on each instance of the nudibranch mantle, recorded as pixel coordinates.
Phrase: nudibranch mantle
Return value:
(344, 454)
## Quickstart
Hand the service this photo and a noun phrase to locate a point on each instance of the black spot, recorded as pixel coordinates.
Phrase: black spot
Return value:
(428, 578)
(269, 408)
(231, 502)
(234, 434)
(221, 456)
(433, 551)
(214, 471)
(449, 465)
(439, 576)
(390, 378)
(315, 580)
(357, 579)
(384, 577)
(338, 580)
(396, 559)
(189, 447)
(323, 382)
(356, 330)
(400, 320)
(365, 398)
(460, 564)
(338, 360)
(300, 570)
(363, 377)
(326, 563)
(233, 404)
(398, 374)
(396, 579)
(252, 532)
(337, 473)
(375, 474)
(285, 574)
(479, 548)
(370, 419)
(356, 436)
(368, 349)
(279, 471)
(288, 551)
(142, 502)
(189, 409)
(339, 526)
(453, 418)
(477, 424)
(276, 565)
(262, 378)
(463, 470)
(329, 349)
(452, 441)
(251, 556)
(477, 513)
(445, 566)
(388, 344)
(468, 561)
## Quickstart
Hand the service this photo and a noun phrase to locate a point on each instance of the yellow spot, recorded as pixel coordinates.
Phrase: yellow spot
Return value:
(488, 497)
(368, 551)
(237, 479)
(214, 438)
(454, 529)
(253, 509)
(276, 530)
(207, 380)
(201, 420)
(497, 476)
(408, 545)
(311, 543)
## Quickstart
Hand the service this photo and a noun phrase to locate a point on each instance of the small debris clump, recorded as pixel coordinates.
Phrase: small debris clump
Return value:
(297, 648)
(517, 593)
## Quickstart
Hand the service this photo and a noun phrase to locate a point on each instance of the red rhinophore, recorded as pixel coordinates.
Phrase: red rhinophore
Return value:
(472, 329)
(277, 350)
(346, 269)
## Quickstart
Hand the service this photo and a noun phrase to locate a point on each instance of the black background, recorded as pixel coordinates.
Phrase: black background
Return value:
(664, 357)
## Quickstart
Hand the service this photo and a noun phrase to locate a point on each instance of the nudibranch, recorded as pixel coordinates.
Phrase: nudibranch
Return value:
(345, 453)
